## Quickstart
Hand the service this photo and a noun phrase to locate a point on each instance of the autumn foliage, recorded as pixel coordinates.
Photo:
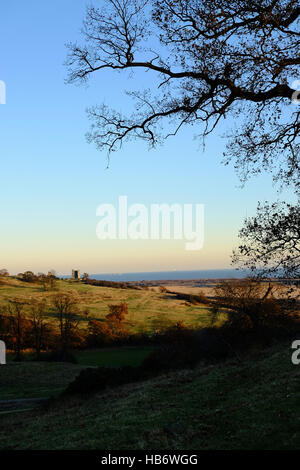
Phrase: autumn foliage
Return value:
(111, 330)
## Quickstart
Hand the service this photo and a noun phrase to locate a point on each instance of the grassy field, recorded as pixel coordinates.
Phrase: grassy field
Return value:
(31, 379)
(35, 379)
(254, 404)
(105, 357)
(148, 309)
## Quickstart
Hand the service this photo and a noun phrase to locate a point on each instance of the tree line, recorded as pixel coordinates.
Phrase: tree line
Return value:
(60, 326)
(27, 324)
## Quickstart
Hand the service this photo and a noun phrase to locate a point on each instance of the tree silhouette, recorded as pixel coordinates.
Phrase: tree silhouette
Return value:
(214, 58)
(66, 308)
(271, 241)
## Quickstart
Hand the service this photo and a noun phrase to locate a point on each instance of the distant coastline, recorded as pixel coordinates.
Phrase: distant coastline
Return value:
(171, 275)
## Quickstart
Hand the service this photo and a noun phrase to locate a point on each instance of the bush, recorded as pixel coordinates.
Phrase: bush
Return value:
(117, 312)
(57, 356)
(249, 305)
(99, 334)
(181, 348)
(191, 298)
(117, 285)
(29, 276)
(98, 379)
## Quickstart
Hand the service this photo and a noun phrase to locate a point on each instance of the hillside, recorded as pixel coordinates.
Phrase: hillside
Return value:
(254, 404)
(148, 308)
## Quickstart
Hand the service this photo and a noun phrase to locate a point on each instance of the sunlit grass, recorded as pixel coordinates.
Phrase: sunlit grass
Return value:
(148, 309)
(253, 404)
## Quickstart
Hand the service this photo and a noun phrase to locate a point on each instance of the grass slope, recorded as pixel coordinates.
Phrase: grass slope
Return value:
(148, 309)
(250, 405)
(35, 379)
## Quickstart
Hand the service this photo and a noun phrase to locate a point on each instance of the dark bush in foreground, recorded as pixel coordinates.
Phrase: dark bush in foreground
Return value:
(57, 356)
(98, 379)
(184, 349)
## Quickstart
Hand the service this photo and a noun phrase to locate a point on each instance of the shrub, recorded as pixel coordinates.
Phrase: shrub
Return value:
(249, 305)
(58, 356)
(98, 379)
(29, 276)
(117, 312)
(115, 319)
(117, 285)
(99, 334)
(191, 298)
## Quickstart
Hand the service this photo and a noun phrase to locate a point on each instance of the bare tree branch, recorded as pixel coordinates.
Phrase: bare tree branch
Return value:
(215, 58)
(271, 241)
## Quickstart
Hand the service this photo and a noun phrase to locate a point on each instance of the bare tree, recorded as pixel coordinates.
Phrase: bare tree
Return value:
(209, 60)
(19, 325)
(249, 303)
(40, 325)
(213, 58)
(66, 307)
(48, 282)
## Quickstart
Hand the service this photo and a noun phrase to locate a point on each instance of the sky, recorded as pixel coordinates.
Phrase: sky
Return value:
(52, 180)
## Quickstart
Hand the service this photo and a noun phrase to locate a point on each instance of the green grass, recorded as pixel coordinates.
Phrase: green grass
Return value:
(35, 379)
(148, 309)
(114, 357)
(42, 379)
(254, 404)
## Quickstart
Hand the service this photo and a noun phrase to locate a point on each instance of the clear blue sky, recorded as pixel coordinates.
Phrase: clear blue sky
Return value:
(51, 180)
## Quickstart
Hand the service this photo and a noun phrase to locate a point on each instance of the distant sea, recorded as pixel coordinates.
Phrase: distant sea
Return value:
(172, 275)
